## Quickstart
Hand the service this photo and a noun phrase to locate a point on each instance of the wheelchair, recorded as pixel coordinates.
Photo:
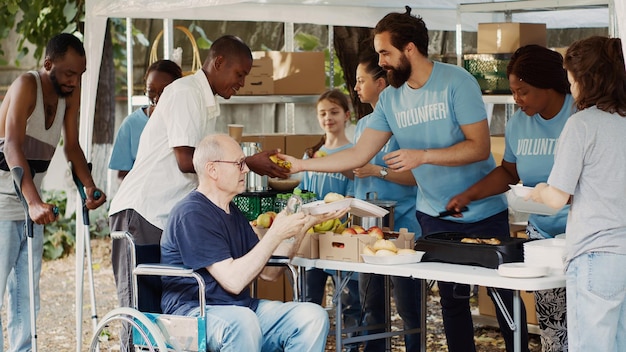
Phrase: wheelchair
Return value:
(151, 329)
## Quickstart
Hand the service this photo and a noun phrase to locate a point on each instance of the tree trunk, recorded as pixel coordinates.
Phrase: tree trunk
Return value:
(104, 119)
(349, 42)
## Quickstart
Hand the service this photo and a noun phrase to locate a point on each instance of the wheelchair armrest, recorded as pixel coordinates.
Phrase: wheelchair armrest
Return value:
(163, 270)
(278, 260)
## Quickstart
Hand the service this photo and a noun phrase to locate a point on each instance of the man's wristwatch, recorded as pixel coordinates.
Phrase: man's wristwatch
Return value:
(383, 173)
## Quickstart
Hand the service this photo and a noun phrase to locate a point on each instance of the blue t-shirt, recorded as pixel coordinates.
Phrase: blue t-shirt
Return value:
(126, 142)
(530, 143)
(324, 182)
(199, 234)
(431, 117)
(404, 211)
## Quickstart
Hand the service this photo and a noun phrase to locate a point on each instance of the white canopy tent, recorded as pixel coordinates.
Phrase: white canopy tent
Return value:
(438, 15)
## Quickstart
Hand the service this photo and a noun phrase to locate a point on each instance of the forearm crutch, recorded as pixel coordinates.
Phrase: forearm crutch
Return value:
(83, 247)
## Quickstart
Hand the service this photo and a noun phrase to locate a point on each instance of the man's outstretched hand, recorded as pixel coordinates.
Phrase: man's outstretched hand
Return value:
(261, 164)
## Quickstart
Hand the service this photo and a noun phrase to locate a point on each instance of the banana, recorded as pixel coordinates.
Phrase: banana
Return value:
(341, 226)
(280, 162)
(324, 226)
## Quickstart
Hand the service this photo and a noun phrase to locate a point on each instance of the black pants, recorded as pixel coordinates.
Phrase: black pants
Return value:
(455, 307)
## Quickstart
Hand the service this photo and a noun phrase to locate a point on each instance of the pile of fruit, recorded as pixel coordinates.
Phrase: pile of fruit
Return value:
(384, 247)
(264, 220)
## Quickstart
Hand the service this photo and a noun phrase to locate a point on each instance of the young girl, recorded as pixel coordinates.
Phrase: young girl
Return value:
(333, 113)
(588, 169)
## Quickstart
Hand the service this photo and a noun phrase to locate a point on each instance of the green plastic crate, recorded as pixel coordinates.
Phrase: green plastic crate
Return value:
(252, 204)
(490, 71)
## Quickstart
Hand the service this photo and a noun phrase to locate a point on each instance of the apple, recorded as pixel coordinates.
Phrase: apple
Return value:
(272, 214)
(348, 231)
(358, 229)
(264, 221)
(319, 154)
(376, 231)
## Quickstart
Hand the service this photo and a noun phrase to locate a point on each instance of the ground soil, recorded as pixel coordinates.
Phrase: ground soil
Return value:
(56, 323)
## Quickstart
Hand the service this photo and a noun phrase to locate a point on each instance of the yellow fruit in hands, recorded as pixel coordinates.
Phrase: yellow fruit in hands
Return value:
(324, 226)
(264, 221)
(280, 162)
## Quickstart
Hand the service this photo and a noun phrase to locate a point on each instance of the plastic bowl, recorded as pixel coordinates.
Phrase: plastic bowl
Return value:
(283, 185)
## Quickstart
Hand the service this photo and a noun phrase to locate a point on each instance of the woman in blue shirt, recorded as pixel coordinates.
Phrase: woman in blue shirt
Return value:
(541, 91)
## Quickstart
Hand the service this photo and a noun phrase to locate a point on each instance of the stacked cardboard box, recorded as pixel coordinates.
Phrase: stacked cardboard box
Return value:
(291, 144)
(506, 37)
(260, 81)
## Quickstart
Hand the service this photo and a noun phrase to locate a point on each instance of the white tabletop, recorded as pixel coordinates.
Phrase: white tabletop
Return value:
(464, 274)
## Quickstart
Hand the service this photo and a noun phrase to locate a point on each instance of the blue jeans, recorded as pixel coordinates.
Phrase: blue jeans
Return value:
(274, 326)
(14, 278)
(407, 294)
(596, 302)
(455, 307)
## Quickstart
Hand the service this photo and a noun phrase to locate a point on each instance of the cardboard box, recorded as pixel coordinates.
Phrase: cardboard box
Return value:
(405, 239)
(296, 144)
(486, 307)
(257, 85)
(506, 37)
(296, 73)
(267, 141)
(272, 290)
(262, 66)
(497, 148)
(310, 246)
(344, 248)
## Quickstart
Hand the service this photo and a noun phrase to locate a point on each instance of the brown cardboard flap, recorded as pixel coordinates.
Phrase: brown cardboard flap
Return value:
(310, 246)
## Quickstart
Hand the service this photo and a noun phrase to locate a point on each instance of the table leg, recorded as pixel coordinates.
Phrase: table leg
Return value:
(517, 316)
(423, 313)
(387, 284)
(337, 302)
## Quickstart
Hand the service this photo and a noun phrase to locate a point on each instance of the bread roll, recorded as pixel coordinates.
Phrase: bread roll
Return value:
(368, 251)
(385, 244)
(332, 197)
(406, 251)
(384, 253)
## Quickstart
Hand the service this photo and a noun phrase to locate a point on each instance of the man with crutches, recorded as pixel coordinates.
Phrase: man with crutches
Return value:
(38, 106)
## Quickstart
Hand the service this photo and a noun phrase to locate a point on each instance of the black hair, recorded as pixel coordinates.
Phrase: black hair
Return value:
(229, 46)
(369, 59)
(404, 28)
(540, 67)
(60, 43)
(165, 66)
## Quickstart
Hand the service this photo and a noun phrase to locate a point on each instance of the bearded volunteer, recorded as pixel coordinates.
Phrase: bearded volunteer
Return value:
(437, 115)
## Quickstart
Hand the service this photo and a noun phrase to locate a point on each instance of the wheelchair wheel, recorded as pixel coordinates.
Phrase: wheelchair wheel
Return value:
(106, 336)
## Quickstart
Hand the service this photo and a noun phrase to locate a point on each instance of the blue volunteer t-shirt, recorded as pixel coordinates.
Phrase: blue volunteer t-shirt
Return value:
(199, 234)
(124, 151)
(385, 190)
(530, 143)
(324, 182)
(431, 117)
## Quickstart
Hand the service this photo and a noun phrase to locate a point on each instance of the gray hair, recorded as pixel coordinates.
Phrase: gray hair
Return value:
(209, 148)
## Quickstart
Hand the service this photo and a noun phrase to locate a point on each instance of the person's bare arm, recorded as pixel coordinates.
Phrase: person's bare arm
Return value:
(21, 100)
(370, 142)
(184, 159)
(236, 274)
(475, 147)
(371, 170)
(74, 153)
(496, 182)
(549, 195)
(261, 164)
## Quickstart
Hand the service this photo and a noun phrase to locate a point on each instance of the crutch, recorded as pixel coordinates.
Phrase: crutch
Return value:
(83, 247)
(18, 174)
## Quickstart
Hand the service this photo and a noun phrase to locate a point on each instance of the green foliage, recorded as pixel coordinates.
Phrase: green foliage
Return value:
(59, 236)
(41, 19)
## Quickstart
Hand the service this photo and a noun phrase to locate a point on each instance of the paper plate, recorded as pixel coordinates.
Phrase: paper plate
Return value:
(320, 207)
(515, 197)
(364, 209)
(393, 259)
(522, 270)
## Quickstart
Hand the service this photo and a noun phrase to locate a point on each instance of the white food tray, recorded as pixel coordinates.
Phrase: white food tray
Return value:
(358, 207)
(393, 259)
(522, 270)
(515, 197)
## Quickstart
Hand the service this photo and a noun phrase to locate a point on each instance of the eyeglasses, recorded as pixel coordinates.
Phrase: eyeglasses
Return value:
(241, 163)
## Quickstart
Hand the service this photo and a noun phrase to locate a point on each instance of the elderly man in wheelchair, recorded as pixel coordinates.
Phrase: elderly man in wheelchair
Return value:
(207, 234)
